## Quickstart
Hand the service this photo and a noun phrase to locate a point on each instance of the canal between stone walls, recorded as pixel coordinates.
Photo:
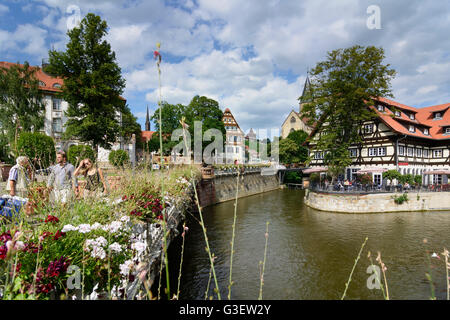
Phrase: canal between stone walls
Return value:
(310, 253)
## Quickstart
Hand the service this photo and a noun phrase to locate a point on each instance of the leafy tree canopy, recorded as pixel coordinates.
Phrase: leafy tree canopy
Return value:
(21, 108)
(92, 83)
(341, 91)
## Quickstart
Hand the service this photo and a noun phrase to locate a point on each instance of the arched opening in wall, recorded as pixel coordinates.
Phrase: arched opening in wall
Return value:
(293, 120)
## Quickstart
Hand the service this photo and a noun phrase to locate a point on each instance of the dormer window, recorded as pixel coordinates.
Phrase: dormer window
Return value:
(425, 131)
(412, 128)
(380, 108)
(41, 84)
(412, 117)
(447, 130)
(438, 116)
(368, 128)
(398, 114)
(57, 86)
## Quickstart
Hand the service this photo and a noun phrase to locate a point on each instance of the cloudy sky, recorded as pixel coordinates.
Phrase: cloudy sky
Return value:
(251, 56)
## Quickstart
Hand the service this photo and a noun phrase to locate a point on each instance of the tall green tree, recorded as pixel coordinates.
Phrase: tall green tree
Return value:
(93, 83)
(130, 126)
(171, 115)
(342, 89)
(299, 137)
(288, 151)
(21, 107)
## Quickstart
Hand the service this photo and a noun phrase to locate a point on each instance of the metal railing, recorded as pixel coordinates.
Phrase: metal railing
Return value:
(361, 188)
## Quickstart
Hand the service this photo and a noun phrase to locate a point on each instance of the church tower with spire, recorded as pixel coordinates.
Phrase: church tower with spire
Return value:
(147, 122)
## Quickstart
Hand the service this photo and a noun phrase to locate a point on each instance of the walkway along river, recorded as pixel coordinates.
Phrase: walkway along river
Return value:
(311, 253)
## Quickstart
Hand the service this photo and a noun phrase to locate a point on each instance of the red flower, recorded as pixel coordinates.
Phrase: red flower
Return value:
(58, 235)
(3, 252)
(159, 217)
(5, 237)
(52, 219)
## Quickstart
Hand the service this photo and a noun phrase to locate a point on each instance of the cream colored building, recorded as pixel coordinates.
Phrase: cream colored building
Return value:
(235, 139)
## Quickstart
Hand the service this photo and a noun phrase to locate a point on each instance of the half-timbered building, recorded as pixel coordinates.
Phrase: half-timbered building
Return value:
(403, 138)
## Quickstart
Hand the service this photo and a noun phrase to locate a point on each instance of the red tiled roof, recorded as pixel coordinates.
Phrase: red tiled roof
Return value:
(147, 135)
(48, 80)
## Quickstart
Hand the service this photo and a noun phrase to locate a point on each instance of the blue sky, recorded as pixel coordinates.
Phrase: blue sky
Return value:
(251, 56)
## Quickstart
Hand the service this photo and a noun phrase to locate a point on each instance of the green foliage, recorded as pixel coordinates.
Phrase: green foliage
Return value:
(20, 100)
(299, 137)
(38, 147)
(314, 177)
(118, 158)
(418, 179)
(289, 152)
(130, 126)
(292, 177)
(92, 83)
(76, 153)
(366, 179)
(201, 109)
(391, 174)
(340, 93)
(401, 199)
(5, 151)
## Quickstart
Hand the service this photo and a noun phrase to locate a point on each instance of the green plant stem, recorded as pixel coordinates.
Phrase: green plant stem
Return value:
(264, 263)
(202, 224)
(233, 236)
(353, 269)
(181, 263)
(209, 281)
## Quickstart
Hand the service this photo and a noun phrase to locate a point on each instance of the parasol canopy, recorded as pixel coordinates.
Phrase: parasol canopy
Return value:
(317, 169)
(371, 170)
(437, 172)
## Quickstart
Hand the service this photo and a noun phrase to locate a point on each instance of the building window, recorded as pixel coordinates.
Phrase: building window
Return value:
(318, 155)
(292, 120)
(380, 108)
(438, 116)
(437, 153)
(56, 104)
(398, 114)
(381, 151)
(418, 152)
(447, 130)
(237, 149)
(412, 128)
(425, 131)
(368, 128)
(353, 152)
(57, 86)
(412, 117)
(57, 125)
(41, 84)
(426, 153)
(401, 150)
(410, 152)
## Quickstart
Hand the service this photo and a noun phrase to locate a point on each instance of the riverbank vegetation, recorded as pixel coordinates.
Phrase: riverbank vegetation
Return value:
(63, 252)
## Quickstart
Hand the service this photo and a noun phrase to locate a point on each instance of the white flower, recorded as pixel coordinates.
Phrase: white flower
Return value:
(115, 226)
(69, 227)
(101, 241)
(96, 226)
(89, 242)
(115, 247)
(139, 247)
(84, 228)
(125, 219)
(126, 267)
(98, 252)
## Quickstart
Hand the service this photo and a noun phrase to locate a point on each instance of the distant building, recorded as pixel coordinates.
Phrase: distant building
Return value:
(147, 133)
(253, 154)
(54, 113)
(234, 144)
(294, 121)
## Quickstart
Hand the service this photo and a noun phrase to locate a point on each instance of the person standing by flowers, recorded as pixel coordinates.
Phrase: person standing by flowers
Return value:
(95, 181)
(19, 177)
(62, 180)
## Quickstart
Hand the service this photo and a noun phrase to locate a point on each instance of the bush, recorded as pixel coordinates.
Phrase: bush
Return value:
(418, 179)
(5, 151)
(292, 177)
(118, 158)
(38, 147)
(401, 199)
(365, 179)
(78, 153)
(391, 174)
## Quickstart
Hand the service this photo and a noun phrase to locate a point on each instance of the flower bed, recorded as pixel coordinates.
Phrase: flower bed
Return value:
(90, 247)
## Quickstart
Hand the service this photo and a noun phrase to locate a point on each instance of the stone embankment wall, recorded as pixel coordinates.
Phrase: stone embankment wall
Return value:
(376, 203)
(223, 188)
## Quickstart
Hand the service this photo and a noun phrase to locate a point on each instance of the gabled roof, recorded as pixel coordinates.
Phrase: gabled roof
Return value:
(47, 80)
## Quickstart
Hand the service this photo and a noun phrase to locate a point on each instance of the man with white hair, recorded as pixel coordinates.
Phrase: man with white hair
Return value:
(62, 181)
(19, 178)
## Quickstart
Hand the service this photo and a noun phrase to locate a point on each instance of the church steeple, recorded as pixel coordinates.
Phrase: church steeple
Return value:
(306, 94)
(147, 122)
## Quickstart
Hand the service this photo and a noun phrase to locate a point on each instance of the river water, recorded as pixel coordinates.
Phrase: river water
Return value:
(310, 253)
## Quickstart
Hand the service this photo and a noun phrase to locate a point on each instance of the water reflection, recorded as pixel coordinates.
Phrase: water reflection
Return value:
(311, 253)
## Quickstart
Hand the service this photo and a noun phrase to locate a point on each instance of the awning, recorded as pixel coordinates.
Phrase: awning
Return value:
(317, 169)
(437, 172)
(371, 170)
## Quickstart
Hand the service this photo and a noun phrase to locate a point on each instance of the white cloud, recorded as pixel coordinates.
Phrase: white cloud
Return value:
(27, 39)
